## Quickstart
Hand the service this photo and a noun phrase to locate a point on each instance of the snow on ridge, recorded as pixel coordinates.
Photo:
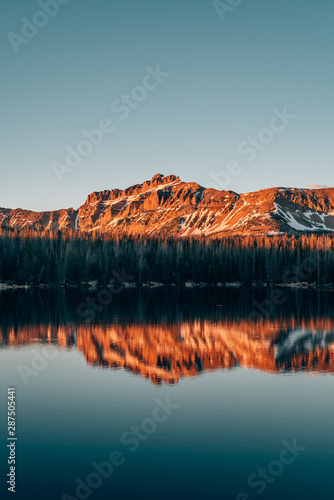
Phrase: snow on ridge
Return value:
(290, 219)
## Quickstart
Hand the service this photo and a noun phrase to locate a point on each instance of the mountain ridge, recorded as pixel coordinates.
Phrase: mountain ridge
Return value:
(167, 206)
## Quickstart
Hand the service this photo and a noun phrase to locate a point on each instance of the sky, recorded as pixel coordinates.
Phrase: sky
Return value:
(234, 95)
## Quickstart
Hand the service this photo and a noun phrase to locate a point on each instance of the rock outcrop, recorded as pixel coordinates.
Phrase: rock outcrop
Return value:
(166, 206)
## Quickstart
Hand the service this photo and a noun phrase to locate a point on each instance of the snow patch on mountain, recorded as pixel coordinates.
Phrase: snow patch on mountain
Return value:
(304, 221)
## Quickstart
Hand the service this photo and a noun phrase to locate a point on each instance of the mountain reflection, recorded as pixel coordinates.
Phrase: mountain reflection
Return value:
(165, 336)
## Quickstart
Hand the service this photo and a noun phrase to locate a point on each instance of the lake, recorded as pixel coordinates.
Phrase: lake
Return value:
(169, 393)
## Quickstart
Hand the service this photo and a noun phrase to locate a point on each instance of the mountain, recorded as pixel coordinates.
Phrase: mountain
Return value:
(166, 206)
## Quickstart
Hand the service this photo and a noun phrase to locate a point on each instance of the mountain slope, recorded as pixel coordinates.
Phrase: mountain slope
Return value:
(167, 206)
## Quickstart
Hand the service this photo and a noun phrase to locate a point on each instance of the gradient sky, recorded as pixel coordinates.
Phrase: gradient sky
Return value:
(225, 79)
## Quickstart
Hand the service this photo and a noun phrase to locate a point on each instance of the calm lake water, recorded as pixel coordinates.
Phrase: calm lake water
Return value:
(191, 394)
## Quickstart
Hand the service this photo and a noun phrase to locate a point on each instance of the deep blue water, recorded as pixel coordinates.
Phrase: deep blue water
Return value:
(239, 392)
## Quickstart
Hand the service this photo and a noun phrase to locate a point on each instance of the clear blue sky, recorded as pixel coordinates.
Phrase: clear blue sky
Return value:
(225, 78)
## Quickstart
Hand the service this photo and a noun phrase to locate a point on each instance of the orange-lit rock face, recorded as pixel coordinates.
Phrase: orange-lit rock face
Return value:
(166, 353)
(168, 206)
(50, 221)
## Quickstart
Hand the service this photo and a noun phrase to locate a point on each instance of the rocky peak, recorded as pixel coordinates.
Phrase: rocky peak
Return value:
(166, 206)
(109, 195)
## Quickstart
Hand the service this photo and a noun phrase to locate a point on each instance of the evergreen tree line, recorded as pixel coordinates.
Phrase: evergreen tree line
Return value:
(61, 259)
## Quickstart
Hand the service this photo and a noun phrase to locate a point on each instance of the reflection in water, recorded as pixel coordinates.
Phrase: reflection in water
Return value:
(166, 335)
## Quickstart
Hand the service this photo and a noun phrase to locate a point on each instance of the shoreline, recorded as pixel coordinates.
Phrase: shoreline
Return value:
(187, 285)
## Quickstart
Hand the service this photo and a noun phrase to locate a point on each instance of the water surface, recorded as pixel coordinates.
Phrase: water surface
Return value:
(243, 374)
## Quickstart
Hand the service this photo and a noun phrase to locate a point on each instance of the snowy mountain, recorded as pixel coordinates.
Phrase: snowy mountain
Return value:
(166, 206)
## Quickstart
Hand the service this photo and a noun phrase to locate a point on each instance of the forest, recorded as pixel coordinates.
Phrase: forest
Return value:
(72, 258)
